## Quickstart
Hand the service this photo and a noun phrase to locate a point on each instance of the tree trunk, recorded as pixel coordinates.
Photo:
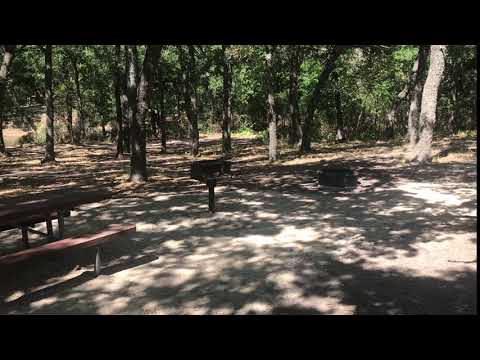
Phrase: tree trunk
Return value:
(305, 145)
(341, 135)
(118, 102)
(227, 103)
(295, 133)
(416, 94)
(8, 55)
(80, 114)
(50, 138)
(189, 99)
(162, 114)
(429, 102)
(138, 167)
(271, 114)
(126, 111)
(68, 103)
(458, 93)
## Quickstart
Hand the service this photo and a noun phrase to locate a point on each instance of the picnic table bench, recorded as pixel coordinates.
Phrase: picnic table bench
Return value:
(24, 213)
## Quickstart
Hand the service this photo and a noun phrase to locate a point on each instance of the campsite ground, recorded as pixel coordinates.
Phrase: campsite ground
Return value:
(403, 242)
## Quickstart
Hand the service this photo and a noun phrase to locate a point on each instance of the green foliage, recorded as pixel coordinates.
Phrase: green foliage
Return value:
(369, 81)
(263, 136)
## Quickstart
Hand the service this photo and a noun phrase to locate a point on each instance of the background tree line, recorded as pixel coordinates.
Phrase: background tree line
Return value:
(129, 94)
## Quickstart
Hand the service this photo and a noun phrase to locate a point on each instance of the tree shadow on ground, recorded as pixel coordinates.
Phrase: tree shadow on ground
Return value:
(276, 245)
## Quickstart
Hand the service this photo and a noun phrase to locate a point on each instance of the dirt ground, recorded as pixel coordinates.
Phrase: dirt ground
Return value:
(403, 242)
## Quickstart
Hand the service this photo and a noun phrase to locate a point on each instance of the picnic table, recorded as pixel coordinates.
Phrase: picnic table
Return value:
(23, 213)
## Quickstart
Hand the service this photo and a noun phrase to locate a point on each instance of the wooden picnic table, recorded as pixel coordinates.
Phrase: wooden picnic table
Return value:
(24, 212)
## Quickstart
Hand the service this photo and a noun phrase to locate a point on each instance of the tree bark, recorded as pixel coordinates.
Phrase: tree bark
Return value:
(50, 138)
(8, 55)
(138, 167)
(161, 115)
(305, 145)
(227, 103)
(416, 94)
(80, 114)
(271, 113)
(429, 102)
(126, 111)
(189, 98)
(341, 135)
(68, 103)
(68, 99)
(295, 133)
(118, 102)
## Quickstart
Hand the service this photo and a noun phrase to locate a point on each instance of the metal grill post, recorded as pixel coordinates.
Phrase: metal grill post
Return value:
(211, 182)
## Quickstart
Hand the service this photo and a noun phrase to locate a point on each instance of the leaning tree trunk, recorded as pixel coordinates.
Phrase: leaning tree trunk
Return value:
(118, 102)
(429, 102)
(138, 166)
(50, 138)
(416, 94)
(271, 114)
(189, 99)
(305, 145)
(227, 103)
(295, 133)
(8, 55)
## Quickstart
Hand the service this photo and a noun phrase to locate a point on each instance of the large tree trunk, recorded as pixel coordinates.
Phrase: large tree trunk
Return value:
(458, 92)
(162, 116)
(138, 167)
(126, 110)
(50, 138)
(295, 132)
(137, 171)
(271, 113)
(68, 103)
(8, 55)
(189, 98)
(227, 102)
(68, 100)
(416, 94)
(80, 114)
(341, 135)
(118, 102)
(429, 102)
(305, 145)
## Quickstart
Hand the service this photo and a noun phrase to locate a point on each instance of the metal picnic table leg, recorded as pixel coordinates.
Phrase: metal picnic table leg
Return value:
(61, 225)
(211, 182)
(25, 236)
(49, 228)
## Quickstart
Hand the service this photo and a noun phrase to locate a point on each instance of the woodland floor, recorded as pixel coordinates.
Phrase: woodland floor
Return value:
(404, 242)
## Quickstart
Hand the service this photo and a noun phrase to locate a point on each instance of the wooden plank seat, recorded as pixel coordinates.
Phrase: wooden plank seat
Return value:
(110, 233)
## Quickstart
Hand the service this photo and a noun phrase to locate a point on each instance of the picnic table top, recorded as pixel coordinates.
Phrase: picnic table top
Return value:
(15, 210)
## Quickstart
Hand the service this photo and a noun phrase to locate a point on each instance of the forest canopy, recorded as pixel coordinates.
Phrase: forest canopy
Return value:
(296, 93)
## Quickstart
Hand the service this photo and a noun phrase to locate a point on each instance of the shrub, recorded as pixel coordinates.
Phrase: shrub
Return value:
(263, 136)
